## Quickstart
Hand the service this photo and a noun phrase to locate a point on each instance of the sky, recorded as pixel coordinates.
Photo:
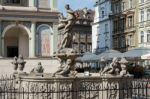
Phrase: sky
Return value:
(75, 4)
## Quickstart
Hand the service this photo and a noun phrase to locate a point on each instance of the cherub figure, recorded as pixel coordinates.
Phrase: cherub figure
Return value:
(38, 69)
(64, 69)
(113, 68)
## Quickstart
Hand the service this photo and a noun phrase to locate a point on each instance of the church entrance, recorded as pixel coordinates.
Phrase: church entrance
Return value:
(16, 41)
(12, 51)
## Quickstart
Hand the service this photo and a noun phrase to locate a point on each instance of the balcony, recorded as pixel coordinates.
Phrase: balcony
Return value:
(147, 23)
(146, 44)
(130, 29)
(129, 11)
(141, 24)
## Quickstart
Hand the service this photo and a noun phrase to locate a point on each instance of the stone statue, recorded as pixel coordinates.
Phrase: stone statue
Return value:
(113, 68)
(21, 63)
(66, 24)
(123, 66)
(64, 68)
(38, 69)
(85, 13)
(15, 64)
(66, 54)
(117, 68)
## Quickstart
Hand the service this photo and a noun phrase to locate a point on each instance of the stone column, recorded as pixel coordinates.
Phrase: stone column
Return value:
(32, 40)
(3, 48)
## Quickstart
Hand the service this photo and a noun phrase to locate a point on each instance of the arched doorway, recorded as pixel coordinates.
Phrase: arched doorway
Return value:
(16, 41)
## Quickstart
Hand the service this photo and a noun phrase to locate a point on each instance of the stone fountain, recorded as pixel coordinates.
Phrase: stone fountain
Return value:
(66, 78)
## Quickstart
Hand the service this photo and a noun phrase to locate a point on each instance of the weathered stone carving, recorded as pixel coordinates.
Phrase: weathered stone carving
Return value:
(18, 64)
(123, 66)
(66, 24)
(66, 54)
(116, 67)
(21, 63)
(64, 68)
(15, 64)
(67, 62)
(113, 68)
(38, 69)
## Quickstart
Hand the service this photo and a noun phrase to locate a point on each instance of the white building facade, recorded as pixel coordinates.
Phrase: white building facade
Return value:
(28, 27)
(102, 27)
(144, 23)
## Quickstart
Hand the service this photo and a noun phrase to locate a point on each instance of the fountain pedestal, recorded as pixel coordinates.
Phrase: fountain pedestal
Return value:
(116, 87)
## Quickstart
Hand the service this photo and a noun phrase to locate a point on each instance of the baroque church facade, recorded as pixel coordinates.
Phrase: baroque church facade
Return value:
(28, 27)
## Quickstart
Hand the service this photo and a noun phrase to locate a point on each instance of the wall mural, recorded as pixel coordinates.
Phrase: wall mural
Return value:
(44, 40)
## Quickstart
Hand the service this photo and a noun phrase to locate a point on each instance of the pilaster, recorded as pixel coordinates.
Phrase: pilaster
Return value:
(0, 37)
(53, 4)
(55, 37)
(32, 40)
(31, 3)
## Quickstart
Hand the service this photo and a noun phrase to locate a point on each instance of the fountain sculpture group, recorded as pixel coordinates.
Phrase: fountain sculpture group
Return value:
(113, 75)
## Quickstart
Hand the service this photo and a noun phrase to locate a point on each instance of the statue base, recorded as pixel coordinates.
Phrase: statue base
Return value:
(79, 87)
(118, 87)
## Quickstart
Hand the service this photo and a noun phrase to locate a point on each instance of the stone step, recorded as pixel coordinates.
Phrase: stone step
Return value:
(50, 65)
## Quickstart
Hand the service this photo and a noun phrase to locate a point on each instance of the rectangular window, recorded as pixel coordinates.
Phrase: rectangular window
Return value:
(130, 4)
(142, 37)
(148, 36)
(82, 47)
(123, 42)
(123, 6)
(148, 14)
(142, 15)
(130, 21)
(142, 1)
(98, 30)
(106, 27)
(12, 1)
(115, 42)
(129, 40)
